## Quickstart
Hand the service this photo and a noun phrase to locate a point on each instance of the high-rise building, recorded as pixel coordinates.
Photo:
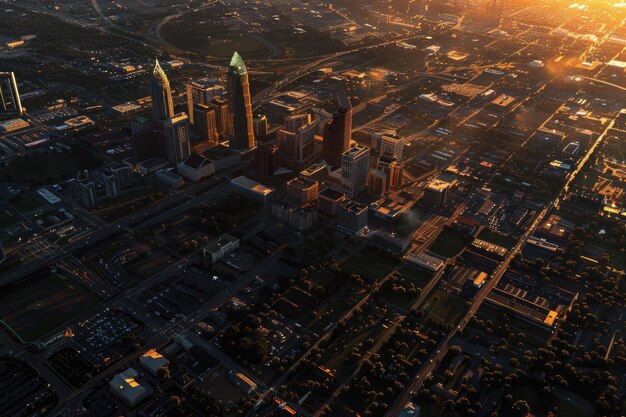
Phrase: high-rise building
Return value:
(162, 103)
(328, 201)
(122, 175)
(266, 153)
(377, 182)
(261, 125)
(352, 217)
(88, 193)
(436, 193)
(141, 125)
(10, 103)
(393, 171)
(221, 115)
(355, 166)
(201, 92)
(296, 141)
(388, 144)
(241, 133)
(320, 116)
(177, 138)
(337, 133)
(302, 191)
(205, 127)
(110, 184)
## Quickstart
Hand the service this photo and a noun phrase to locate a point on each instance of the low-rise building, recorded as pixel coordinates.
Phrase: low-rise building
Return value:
(425, 261)
(152, 361)
(152, 165)
(390, 242)
(13, 125)
(298, 217)
(125, 386)
(220, 247)
(169, 178)
(251, 189)
(317, 172)
(195, 168)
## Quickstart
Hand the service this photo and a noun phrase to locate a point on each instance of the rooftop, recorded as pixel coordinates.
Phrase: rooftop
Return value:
(252, 185)
(237, 65)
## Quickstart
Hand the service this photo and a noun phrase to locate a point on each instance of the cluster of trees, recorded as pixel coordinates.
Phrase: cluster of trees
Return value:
(195, 402)
(245, 340)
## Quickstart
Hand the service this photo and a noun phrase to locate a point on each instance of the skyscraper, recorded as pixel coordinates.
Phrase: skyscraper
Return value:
(205, 126)
(355, 166)
(162, 104)
(10, 104)
(320, 116)
(377, 182)
(266, 157)
(221, 115)
(88, 193)
(388, 144)
(111, 185)
(261, 126)
(177, 138)
(296, 141)
(337, 133)
(241, 133)
(201, 92)
(122, 175)
(393, 171)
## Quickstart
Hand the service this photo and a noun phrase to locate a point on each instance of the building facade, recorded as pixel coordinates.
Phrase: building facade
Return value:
(10, 102)
(266, 157)
(177, 138)
(337, 133)
(205, 126)
(201, 92)
(241, 133)
(354, 170)
(162, 103)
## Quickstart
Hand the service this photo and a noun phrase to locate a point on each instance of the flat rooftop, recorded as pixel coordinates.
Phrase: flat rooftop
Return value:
(252, 185)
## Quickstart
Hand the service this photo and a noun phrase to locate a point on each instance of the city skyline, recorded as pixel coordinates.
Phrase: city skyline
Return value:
(356, 208)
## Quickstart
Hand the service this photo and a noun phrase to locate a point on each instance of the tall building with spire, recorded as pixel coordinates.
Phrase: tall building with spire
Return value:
(10, 104)
(241, 129)
(337, 133)
(162, 103)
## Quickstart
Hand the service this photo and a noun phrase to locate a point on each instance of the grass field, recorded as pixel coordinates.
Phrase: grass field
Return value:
(43, 306)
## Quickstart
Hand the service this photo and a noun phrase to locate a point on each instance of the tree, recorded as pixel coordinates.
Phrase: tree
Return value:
(163, 373)
(521, 408)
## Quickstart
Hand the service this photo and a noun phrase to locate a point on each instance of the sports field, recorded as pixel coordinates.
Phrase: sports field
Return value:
(44, 305)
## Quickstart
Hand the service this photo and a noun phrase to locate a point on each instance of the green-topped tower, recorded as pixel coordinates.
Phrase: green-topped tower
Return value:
(239, 106)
